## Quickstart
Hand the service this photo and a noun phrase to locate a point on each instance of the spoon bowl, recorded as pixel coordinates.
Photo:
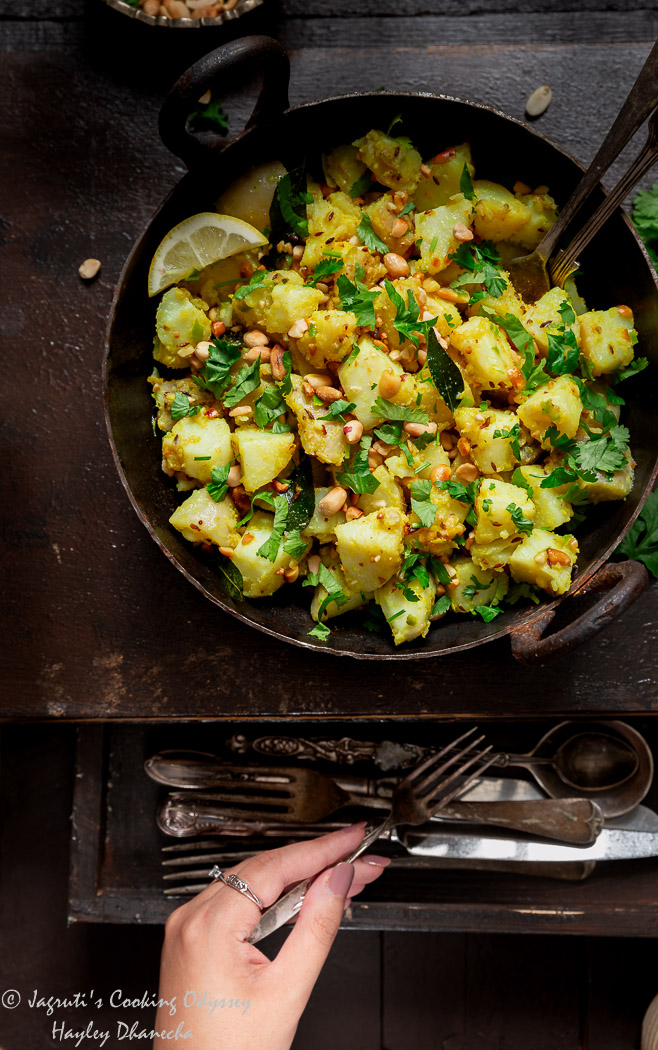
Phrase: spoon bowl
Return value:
(596, 762)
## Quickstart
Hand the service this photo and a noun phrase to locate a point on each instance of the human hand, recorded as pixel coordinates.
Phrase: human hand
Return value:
(206, 958)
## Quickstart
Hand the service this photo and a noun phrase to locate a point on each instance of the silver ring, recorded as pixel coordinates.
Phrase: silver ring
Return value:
(236, 884)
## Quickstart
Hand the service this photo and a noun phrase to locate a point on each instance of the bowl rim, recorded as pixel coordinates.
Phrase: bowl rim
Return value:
(241, 8)
(529, 616)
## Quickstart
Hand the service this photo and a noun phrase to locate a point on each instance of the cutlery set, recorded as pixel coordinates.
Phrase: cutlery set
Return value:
(584, 806)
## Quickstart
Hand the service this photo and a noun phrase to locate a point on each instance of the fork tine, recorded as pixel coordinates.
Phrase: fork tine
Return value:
(436, 773)
(431, 761)
(444, 799)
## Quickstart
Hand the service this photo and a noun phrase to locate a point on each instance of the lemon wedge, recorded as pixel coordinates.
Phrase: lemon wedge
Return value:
(196, 243)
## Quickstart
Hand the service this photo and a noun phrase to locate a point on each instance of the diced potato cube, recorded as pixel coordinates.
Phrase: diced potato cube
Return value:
(552, 509)
(393, 162)
(545, 560)
(487, 354)
(330, 336)
(196, 444)
(607, 338)
(290, 303)
(605, 488)
(322, 438)
(557, 404)
(180, 322)
(371, 267)
(388, 493)
(435, 230)
(370, 548)
(356, 597)
(249, 197)
(360, 380)
(495, 555)
(543, 213)
(439, 538)
(510, 302)
(475, 586)
(342, 169)
(431, 456)
(494, 520)
(322, 526)
(165, 390)
(407, 618)
(263, 455)
(444, 179)
(480, 426)
(545, 312)
(498, 213)
(384, 221)
(200, 520)
(259, 574)
(330, 221)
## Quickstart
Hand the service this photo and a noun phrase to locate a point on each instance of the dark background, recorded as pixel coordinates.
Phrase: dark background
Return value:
(97, 624)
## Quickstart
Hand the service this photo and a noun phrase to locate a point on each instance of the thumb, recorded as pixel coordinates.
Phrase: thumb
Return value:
(304, 953)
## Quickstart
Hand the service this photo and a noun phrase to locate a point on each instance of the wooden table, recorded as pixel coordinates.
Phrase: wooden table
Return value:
(96, 624)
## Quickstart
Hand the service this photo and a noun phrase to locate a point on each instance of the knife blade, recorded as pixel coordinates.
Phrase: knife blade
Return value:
(612, 844)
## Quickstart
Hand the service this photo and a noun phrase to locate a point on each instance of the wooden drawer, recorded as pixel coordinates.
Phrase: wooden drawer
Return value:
(116, 875)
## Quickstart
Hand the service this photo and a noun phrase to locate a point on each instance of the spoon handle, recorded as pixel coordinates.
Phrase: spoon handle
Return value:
(641, 101)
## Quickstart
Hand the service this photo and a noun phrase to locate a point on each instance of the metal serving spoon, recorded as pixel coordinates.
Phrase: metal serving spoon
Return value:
(532, 275)
(606, 761)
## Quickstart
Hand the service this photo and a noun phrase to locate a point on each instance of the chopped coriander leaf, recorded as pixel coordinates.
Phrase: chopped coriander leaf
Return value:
(606, 453)
(433, 244)
(295, 545)
(474, 586)
(439, 571)
(638, 365)
(410, 595)
(522, 590)
(387, 410)
(291, 199)
(421, 503)
(400, 612)
(247, 379)
(218, 486)
(441, 607)
(486, 505)
(362, 185)
(198, 458)
(563, 355)
(337, 408)
(513, 434)
(320, 631)
(358, 299)
(325, 578)
(487, 612)
(255, 281)
(325, 268)
(466, 184)
(181, 406)
(367, 236)
(464, 493)
(375, 620)
(216, 373)
(641, 543)
(519, 480)
(522, 341)
(482, 262)
(269, 406)
(407, 210)
(406, 320)
(359, 479)
(566, 312)
(397, 119)
(270, 548)
(266, 497)
(645, 219)
(522, 523)
(356, 349)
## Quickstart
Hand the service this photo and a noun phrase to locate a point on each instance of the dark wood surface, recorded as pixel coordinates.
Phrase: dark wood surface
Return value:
(96, 624)
(378, 991)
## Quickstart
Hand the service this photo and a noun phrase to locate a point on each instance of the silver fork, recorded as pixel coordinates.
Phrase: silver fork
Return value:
(416, 798)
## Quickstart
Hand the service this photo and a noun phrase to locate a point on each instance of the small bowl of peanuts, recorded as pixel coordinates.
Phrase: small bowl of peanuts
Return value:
(184, 14)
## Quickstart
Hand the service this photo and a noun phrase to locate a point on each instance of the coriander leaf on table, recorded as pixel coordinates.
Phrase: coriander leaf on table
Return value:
(641, 543)
(367, 236)
(206, 113)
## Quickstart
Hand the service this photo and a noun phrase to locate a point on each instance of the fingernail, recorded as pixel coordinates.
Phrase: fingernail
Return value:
(340, 880)
(354, 827)
(378, 862)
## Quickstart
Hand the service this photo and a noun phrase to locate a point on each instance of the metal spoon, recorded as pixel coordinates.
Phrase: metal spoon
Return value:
(532, 275)
(608, 761)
